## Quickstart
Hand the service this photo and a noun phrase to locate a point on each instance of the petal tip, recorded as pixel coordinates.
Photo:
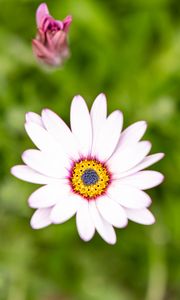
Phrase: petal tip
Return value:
(151, 221)
(24, 154)
(42, 9)
(119, 113)
(78, 98)
(147, 145)
(41, 12)
(13, 170)
(102, 95)
(85, 239)
(30, 202)
(112, 242)
(144, 124)
(162, 178)
(162, 155)
(28, 116)
(68, 19)
(125, 223)
(45, 111)
(33, 224)
(149, 200)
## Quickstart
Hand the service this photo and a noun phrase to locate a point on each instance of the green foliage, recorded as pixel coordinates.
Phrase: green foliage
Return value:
(130, 50)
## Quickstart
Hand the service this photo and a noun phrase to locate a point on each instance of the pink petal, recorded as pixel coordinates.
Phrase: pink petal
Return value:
(41, 13)
(42, 52)
(59, 40)
(66, 23)
(40, 36)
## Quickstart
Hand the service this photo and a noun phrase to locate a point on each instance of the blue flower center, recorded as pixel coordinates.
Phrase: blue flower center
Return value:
(89, 177)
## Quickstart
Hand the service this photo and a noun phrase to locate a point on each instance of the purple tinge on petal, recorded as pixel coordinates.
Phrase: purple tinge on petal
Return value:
(39, 49)
(41, 13)
(58, 40)
(49, 24)
(44, 55)
(66, 23)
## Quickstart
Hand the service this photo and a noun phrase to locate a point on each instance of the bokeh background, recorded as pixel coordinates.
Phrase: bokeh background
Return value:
(130, 50)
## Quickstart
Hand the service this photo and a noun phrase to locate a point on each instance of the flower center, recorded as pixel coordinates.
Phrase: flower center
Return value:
(53, 26)
(89, 178)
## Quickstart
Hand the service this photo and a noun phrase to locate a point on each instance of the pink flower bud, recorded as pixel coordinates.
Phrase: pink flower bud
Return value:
(50, 46)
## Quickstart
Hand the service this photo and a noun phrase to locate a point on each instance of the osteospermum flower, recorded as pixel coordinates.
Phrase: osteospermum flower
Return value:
(50, 46)
(93, 170)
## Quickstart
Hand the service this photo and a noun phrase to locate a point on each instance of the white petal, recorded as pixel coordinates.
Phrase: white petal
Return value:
(108, 137)
(49, 195)
(41, 218)
(81, 125)
(143, 180)
(65, 208)
(132, 134)
(128, 196)
(50, 165)
(34, 118)
(98, 115)
(43, 139)
(84, 222)
(145, 163)
(58, 128)
(112, 212)
(27, 174)
(105, 230)
(127, 158)
(142, 216)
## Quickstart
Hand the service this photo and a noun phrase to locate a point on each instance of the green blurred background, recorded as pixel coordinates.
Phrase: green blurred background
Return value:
(130, 50)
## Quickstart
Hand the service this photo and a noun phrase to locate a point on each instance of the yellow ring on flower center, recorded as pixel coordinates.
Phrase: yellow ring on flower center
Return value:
(89, 178)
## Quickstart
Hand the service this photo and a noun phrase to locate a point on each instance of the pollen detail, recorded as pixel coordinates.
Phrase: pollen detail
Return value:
(89, 178)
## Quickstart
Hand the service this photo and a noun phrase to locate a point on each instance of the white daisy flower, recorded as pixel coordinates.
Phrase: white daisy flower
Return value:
(93, 170)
